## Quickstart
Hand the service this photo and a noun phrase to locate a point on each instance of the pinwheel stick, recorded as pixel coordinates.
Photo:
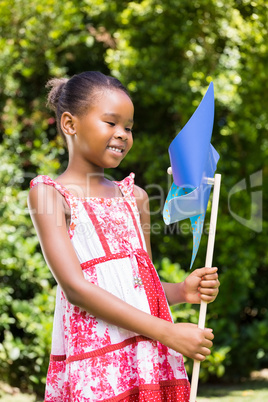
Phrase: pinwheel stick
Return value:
(209, 257)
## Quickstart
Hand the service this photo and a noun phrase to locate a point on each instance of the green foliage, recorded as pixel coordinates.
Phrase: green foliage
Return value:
(166, 52)
(26, 291)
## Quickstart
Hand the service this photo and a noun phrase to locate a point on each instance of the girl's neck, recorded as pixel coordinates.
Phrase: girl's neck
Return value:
(88, 182)
(81, 172)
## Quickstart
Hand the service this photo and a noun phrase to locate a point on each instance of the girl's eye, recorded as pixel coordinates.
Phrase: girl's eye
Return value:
(129, 130)
(110, 123)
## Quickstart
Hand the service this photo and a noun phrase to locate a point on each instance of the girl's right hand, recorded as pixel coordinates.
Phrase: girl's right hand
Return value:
(189, 340)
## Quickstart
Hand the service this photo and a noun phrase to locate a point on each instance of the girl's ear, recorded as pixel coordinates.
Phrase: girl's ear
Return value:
(67, 123)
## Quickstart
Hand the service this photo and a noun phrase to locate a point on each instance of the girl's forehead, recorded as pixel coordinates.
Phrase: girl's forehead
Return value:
(114, 94)
(112, 100)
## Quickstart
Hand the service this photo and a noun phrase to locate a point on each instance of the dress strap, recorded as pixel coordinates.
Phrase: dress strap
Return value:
(127, 188)
(47, 180)
(127, 185)
(70, 199)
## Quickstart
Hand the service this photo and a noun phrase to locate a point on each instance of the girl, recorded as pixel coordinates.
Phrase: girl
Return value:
(113, 336)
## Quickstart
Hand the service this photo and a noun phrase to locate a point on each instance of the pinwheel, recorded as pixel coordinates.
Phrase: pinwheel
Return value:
(193, 164)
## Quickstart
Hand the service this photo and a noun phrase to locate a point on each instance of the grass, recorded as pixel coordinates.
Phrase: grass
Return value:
(253, 390)
(249, 391)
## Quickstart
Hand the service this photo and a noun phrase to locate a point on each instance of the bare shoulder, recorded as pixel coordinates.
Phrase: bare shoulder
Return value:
(141, 197)
(140, 192)
(42, 197)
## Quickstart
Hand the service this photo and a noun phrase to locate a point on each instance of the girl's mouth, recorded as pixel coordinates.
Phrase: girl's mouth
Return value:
(120, 151)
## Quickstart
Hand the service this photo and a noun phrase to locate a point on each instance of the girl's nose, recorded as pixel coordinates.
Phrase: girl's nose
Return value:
(121, 133)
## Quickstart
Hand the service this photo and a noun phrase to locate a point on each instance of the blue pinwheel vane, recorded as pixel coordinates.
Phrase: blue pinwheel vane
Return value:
(193, 164)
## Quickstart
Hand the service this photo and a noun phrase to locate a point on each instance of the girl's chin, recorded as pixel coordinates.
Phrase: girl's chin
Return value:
(111, 165)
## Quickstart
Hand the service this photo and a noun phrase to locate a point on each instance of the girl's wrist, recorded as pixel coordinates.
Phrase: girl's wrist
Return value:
(181, 294)
(175, 292)
(163, 331)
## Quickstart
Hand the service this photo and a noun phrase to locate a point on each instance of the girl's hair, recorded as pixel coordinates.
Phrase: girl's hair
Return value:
(77, 94)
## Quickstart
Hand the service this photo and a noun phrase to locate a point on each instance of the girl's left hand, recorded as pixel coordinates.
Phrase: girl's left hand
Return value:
(203, 283)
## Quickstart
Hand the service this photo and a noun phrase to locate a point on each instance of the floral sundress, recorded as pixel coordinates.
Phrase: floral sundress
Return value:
(92, 361)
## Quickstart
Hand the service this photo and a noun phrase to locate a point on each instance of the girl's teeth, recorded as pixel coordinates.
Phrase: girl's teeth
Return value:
(115, 149)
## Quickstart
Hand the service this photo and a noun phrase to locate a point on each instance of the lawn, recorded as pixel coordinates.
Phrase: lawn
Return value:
(249, 391)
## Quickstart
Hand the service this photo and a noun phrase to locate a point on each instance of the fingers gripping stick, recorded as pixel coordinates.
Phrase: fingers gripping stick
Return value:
(209, 257)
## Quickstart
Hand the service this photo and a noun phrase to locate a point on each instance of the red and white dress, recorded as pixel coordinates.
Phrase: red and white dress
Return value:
(90, 359)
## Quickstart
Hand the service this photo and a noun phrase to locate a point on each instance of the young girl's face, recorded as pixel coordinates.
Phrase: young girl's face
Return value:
(103, 134)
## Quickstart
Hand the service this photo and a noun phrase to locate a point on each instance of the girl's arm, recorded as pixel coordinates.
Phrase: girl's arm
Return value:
(48, 214)
(202, 283)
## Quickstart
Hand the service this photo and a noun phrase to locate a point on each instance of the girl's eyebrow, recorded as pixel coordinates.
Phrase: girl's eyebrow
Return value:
(116, 116)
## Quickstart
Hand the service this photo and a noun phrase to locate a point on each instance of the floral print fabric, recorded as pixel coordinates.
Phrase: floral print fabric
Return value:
(90, 359)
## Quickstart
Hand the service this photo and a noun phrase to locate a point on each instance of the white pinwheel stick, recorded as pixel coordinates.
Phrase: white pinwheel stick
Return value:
(209, 257)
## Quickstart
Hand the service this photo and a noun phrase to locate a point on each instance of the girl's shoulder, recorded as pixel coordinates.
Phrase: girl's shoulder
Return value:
(48, 181)
(129, 188)
(41, 179)
(127, 185)
(45, 193)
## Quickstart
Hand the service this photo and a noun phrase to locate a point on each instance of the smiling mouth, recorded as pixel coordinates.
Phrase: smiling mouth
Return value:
(118, 150)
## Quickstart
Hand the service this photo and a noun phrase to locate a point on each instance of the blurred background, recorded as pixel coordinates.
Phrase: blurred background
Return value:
(166, 52)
